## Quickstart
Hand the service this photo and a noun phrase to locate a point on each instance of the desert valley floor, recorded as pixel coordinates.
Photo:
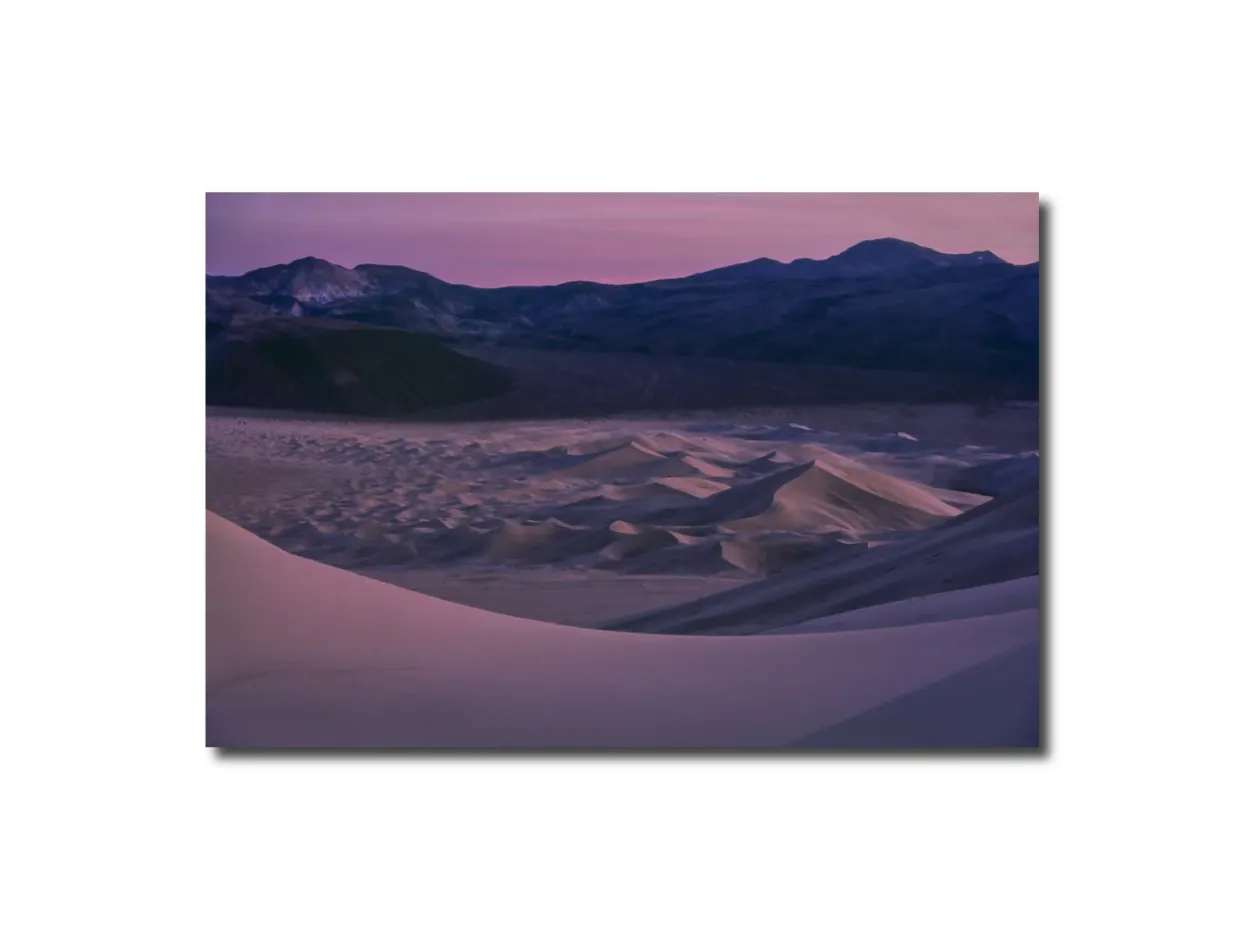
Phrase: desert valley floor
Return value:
(814, 538)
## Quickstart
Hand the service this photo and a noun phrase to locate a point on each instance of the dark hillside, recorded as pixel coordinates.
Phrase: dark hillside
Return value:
(341, 368)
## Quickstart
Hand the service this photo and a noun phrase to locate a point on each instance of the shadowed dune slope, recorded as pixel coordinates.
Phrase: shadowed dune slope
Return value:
(999, 477)
(303, 655)
(948, 714)
(995, 542)
(1004, 597)
(545, 541)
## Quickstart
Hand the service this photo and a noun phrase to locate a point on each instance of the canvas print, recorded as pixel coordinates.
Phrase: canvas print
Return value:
(584, 471)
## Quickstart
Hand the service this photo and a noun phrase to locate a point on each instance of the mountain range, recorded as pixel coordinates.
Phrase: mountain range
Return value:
(881, 304)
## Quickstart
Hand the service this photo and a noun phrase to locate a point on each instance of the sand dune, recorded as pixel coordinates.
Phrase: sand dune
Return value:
(730, 499)
(839, 496)
(893, 609)
(637, 460)
(635, 540)
(613, 462)
(688, 555)
(300, 654)
(771, 552)
(686, 465)
(453, 544)
(998, 541)
(688, 486)
(999, 477)
(765, 463)
(994, 704)
(766, 524)
(546, 541)
(829, 495)
(1003, 597)
(660, 488)
(958, 499)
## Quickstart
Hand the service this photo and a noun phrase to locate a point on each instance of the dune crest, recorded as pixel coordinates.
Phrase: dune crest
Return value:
(841, 497)
(637, 460)
(611, 462)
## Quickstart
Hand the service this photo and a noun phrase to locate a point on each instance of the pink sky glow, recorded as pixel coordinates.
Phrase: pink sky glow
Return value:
(496, 239)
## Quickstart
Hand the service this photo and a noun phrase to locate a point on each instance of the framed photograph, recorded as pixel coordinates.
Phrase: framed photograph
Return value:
(583, 471)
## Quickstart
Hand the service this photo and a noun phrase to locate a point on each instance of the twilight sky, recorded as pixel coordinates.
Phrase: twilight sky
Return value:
(498, 239)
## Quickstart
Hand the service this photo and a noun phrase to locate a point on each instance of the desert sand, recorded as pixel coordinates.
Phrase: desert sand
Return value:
(721, 580)
(301, 654)
(587, 521)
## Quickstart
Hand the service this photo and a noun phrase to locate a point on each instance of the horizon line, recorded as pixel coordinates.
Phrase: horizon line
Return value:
(623, 283)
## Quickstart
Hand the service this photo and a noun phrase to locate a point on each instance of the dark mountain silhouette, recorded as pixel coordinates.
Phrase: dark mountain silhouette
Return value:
(332, 367)
(872, 258)
(883, 304)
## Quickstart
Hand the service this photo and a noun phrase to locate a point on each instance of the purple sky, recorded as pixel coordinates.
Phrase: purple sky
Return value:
(496, 239)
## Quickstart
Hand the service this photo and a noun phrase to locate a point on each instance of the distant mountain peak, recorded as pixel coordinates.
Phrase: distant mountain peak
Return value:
(887, 241)
(310, 261)
(886, 247)
(870, 258)
(891, 255)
